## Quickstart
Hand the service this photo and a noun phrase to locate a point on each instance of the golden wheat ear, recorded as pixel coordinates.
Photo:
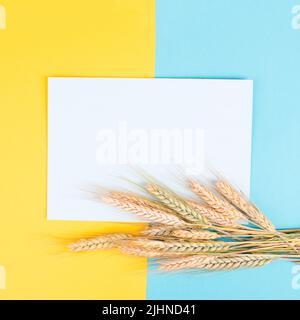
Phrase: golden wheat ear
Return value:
(178, 264)
(216, 203)
(158, 231)
(240, 201)
(143, 208)
(213, 216)
(175, 203)
(191, 234)
(217, 263)
(180, 246)
(98, 243)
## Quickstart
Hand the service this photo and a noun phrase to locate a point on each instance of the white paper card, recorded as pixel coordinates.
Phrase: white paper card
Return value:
(99, 129)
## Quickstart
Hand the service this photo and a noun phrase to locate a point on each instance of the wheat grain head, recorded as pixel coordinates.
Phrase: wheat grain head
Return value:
(146, 209)
(212, 215)
(237, 199)
(99, 243)
(175, 203)
(181, 246)
(194, 234)
(215, 202)
(217, 263)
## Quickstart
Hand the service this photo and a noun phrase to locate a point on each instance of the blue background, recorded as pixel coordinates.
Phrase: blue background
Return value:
(248, 39)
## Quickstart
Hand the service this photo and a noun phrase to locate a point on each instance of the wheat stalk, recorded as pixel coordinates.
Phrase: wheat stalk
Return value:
(237, 199)
(158, 231)
(135, 251)
(173, 202)
(212, 215)
(143, 208)
(187, 234)
(190, 262)
(181, 246)
(215, 202)
(237, 262)
(217, 263)
(141, 252)
(98, 243)
(163, 232)
(194, 234)
(140, 200)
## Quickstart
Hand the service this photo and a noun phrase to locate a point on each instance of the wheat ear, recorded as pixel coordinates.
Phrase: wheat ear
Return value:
(190, 262)
(175, 203)
(140, 200)
(217, 263)
(237, 199)
(143, 208)
(158, 231)
(218, 204)
(141, 252)
(237, 262)
(194, 234)
(181, 246)
(98, 243)
(212, 215)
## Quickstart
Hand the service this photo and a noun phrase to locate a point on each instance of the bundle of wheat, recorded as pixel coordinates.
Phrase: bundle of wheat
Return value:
(221, 231)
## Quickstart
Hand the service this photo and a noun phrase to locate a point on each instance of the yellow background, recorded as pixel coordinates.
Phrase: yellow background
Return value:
(98, 38)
